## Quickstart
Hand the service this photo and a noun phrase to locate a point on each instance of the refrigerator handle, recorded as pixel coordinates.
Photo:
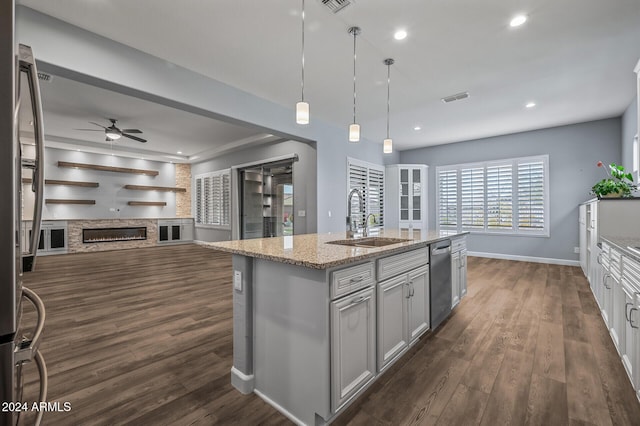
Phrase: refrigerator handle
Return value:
(28, 349)
(44, 384)
(28, 65)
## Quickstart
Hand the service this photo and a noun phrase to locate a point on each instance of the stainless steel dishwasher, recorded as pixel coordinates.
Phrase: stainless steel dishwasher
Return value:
(440, 281)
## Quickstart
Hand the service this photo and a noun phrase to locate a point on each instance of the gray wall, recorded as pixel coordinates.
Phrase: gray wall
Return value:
(72, 52)
(110, 194)
(304, 180)
(629, 130)
(573, 153)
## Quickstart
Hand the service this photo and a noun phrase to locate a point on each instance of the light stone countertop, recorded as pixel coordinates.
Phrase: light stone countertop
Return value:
(623, 245)
(312, 250)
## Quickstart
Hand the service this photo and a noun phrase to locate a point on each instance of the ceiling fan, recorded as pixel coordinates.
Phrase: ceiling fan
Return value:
(113, 132)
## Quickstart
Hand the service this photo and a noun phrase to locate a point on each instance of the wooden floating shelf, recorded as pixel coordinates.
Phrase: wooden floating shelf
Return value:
(65, 182)
(155, 188)
(147, 203)
(63, 201)
(107, 168)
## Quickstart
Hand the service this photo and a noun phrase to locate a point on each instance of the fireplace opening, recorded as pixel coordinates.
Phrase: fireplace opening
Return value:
(105, 235)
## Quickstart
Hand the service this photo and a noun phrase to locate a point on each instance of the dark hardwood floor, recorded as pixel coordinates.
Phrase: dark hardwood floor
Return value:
(144, 337)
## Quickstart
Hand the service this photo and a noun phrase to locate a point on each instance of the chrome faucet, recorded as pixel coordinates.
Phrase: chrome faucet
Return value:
(366, 224)
(352, 226)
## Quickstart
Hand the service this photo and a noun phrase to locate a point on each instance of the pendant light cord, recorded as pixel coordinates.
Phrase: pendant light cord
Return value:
(388, 94)
(302, 50)
(355, 33)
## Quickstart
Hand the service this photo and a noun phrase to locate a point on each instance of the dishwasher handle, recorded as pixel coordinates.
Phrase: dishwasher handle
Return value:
(441, 250)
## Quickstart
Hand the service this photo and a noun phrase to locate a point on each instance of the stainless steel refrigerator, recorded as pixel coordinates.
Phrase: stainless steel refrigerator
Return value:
(19, 95)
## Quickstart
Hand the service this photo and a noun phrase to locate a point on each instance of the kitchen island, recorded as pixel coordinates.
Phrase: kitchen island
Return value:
(317, 317)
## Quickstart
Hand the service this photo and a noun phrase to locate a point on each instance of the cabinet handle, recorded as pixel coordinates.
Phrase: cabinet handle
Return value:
(356, 279)
(599, 259)
(358, 300)
(626, 311)
(604, 281)
(631, 318)
(408, 296)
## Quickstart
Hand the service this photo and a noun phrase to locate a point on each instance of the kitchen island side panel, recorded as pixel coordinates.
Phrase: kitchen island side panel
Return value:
(291, 338)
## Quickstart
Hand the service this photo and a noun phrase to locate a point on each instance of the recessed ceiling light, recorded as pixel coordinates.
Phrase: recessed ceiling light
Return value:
(400, 35)
(518, 20)
(417, 128)
(530, 105)
(179, 152)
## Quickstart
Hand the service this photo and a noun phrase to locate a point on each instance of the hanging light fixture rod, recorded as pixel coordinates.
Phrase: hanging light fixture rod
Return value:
(354, 129)
(302, 107)
(387, 145)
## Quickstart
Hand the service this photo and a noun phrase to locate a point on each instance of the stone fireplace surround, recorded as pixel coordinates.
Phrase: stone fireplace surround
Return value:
(75, 228)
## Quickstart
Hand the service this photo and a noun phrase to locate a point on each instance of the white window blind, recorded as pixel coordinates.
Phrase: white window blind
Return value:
(213, 198)
(505, 196)
(369, 180)
(448, 199)
(472, 198)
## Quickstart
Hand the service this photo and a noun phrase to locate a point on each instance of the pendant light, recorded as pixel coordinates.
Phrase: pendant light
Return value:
(302, 107)
(354, 129)
(387, 145)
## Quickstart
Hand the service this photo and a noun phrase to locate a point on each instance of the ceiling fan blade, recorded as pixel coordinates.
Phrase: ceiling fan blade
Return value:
(135, 138)
(91, 130)
(99, 125)
(131, 130)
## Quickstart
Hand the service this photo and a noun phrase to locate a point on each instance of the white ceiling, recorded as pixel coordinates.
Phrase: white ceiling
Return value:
(574, 58)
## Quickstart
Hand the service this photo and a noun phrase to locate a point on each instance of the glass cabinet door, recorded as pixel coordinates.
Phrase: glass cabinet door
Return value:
(404, 194)
(416, 184)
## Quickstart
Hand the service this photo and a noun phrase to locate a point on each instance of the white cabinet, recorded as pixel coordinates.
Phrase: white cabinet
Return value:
(582, 221)
(406, 196)
(175, 230)
(458, 270)
(353, 345)
(54, 238)
(630, 351)
(403, 305)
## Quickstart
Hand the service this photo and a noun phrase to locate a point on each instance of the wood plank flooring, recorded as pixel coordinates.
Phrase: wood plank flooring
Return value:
(143, 337)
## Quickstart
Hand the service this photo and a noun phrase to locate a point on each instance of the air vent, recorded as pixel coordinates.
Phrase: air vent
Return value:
(456, 97)
(336, 5)
(44, 77)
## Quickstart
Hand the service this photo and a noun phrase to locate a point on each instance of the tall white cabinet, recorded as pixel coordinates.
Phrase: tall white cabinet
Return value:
(405, 203)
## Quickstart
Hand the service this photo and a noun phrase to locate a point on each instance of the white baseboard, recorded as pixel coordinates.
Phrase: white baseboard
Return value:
(279, 407)
(532, 259)
(243, 382)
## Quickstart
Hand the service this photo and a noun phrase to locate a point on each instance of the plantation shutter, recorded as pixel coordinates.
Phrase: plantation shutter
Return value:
(448, 199)
(368, 179)
(499, 197)
(531, 197)
(213, 198)
(472, 198)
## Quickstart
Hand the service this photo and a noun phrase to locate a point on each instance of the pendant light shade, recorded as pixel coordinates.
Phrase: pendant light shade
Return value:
(354, 129)
(387, 144)
(302, 107)
(302, 113)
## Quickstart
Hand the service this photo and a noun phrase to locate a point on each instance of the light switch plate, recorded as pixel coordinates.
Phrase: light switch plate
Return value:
(237, 280)
(302, 213)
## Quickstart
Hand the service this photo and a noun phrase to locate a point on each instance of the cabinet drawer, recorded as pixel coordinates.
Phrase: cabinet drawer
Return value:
(400, 263)
(458, 244)
(614, 263)
(631, 273)
(344, 281)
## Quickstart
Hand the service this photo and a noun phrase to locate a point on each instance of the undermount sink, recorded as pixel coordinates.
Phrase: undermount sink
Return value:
(368, 242)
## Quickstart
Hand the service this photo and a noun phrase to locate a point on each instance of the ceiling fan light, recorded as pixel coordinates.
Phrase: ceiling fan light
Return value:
(302, 113)
(354, 132)
(387, 146)
(111, 134)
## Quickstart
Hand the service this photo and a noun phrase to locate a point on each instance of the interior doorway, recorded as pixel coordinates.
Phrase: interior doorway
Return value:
(266, 200)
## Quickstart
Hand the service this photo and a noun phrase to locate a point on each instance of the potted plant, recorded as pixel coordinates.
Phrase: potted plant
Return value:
(617, 184)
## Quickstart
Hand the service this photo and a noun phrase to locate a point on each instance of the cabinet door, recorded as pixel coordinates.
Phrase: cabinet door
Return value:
(607, 298)
(418, 302)
(353, 345)
(187, 230)
(618, 314)
(164, 233)
(628, 350)
(455, 278)
(416, 195)
(393, 330)
(175, 232)
(463, 274)
(404, 194)
(57, 238)
(582, 226)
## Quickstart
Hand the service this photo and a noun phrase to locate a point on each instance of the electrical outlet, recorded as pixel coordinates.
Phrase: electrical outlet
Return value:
(302, 213)
(576, 249)
(237, 280)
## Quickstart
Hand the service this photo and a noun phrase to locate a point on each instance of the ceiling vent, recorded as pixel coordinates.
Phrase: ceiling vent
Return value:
(44, 77)
(336, 5)
(456, 97)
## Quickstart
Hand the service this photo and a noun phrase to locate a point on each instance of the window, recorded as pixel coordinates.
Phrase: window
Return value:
(369, 180)
(213, 198)
(506, 196)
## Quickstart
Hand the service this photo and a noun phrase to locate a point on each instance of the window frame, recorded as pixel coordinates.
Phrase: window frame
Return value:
(515, 230)
(220, 208)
